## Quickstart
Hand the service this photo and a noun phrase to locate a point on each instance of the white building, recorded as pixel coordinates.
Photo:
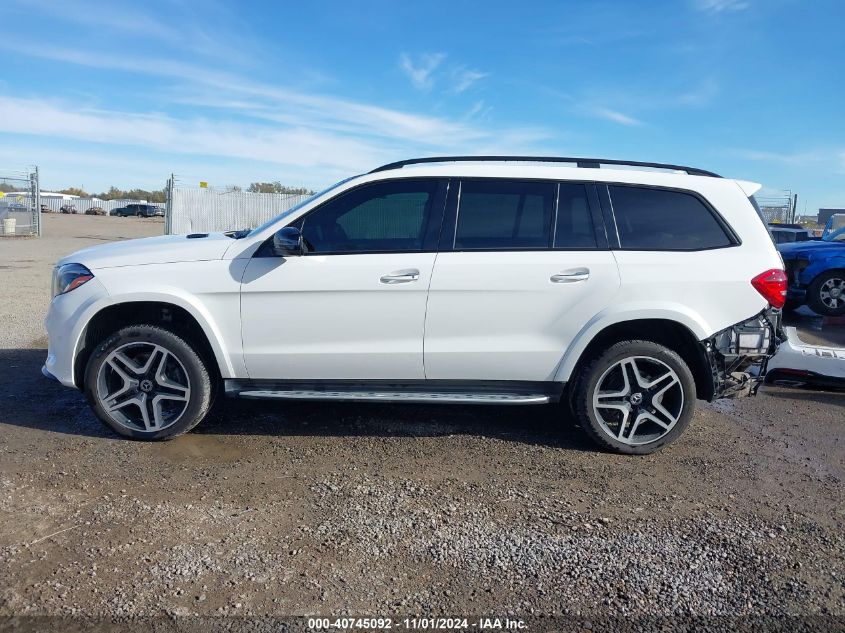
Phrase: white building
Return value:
(52, 195)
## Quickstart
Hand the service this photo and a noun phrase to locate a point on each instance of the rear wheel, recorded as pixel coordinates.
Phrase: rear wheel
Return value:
(635, 397)
(146, 382)
(826, 295)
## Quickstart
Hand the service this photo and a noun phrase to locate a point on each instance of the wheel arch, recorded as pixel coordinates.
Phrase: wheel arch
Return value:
(673, 333)
(838, 268)
(166, 313)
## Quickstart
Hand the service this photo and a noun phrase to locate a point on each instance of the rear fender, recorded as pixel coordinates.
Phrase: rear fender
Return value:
(670, 312)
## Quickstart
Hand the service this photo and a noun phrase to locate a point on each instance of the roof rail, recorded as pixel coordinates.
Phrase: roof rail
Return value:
(593, 163)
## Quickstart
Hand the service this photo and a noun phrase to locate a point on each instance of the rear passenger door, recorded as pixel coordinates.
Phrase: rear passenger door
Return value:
(523, 266)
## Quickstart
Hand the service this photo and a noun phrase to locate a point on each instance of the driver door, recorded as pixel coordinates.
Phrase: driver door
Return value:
(353, 305)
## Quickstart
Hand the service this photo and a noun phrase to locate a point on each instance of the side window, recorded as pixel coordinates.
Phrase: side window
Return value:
(574, 224)
(385, 216)
(504, 215)
(659, 219)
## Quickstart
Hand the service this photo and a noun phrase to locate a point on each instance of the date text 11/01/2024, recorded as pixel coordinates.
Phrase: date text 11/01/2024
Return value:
(416, 624)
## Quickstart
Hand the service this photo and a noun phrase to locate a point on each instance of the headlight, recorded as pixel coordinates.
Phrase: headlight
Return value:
(68, 277)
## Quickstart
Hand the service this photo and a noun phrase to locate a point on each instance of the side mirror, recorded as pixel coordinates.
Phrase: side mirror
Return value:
(288, 241)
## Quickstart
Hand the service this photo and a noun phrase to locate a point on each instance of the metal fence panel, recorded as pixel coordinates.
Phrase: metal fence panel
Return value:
(20, 212)
(202, 210)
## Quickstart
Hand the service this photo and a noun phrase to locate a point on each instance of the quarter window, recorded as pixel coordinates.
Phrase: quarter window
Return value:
(660, 219)
(504, 215)
(386, 216)
(574, 224)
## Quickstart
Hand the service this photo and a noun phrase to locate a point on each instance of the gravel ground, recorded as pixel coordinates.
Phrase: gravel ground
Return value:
(29, 262)
(332, 509)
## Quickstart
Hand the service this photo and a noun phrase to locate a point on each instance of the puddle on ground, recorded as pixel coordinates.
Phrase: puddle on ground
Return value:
(726, 406)
(192, 447)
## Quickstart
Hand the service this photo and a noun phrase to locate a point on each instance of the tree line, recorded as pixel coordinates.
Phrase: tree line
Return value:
(160, 195)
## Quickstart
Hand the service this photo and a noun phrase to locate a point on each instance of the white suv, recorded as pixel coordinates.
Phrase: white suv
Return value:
(623, 294)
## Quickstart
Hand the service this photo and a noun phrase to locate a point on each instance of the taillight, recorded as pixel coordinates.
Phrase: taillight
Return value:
(772, 285)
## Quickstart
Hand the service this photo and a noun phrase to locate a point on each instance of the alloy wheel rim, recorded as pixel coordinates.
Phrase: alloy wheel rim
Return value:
(832, 293)
(143, 387)
(638, 400)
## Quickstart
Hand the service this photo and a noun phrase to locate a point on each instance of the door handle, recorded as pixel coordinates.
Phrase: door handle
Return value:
(570, 276)
(400, 276)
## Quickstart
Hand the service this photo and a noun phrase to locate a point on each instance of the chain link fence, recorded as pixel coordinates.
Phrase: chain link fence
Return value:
(779, 208)
(20, 203)
(206, 209)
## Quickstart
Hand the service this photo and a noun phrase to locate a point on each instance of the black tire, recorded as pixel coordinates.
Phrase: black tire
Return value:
(814, 293)
(189, 367)
(652, 355)
(791, 305)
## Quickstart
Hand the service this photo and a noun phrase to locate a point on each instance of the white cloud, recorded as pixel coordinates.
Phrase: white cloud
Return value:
(700, 95)
(184, 30)
(463, 78)
(613, 115)
(785, 157)
(191, 136)
(335, 137)
(272, 103)
(721, 6)
(420, 72)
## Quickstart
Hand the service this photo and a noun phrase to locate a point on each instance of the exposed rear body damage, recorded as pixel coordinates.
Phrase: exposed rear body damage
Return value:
(738, 356)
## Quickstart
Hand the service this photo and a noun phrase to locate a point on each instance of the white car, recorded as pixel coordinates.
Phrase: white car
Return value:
(621, 291)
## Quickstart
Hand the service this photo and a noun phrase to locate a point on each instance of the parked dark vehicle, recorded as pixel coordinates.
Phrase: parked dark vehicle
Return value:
(138, 210)
(816, 274)
(95, 211)
(68, 208)
(787, 233)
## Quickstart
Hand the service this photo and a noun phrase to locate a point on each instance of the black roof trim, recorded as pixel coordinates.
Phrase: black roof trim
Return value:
(593, 163)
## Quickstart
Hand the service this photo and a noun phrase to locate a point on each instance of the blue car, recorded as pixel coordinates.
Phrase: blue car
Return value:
(816, 273)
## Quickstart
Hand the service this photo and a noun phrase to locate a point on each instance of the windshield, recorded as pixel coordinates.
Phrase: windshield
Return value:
(294, 208)
(836, 236)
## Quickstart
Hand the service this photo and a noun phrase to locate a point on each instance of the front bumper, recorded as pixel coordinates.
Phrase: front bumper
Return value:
(65, 325)
(738, 356)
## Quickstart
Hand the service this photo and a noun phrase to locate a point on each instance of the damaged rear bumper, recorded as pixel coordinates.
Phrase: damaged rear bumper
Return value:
(738, 356)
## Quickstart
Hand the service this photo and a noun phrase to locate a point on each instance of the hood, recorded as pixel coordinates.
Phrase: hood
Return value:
(796, 249)
(152, 250)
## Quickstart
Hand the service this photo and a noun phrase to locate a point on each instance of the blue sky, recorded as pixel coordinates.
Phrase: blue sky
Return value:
(121, 93)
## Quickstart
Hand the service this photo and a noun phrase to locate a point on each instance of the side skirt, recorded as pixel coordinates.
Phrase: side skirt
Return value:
(418, 391)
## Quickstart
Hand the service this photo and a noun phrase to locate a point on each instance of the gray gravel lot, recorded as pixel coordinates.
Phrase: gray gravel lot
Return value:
(374, 509)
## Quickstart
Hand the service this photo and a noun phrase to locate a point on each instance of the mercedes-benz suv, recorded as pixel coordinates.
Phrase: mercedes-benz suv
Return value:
(620, 292)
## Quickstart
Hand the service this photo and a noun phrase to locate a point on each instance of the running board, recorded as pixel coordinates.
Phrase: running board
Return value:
(396, 396)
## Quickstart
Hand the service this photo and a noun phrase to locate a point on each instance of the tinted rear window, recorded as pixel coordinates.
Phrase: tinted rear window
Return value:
(660, 219)
(504, 214)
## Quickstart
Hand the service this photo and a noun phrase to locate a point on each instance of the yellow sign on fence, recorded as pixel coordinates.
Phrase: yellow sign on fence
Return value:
(203, 184)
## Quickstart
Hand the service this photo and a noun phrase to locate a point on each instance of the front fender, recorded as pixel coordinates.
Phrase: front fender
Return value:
(819, 266)
(191, 304)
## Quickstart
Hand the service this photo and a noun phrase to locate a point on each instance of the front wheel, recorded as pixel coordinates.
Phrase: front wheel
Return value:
(826, 295)
(635, 397)
(145, 382)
